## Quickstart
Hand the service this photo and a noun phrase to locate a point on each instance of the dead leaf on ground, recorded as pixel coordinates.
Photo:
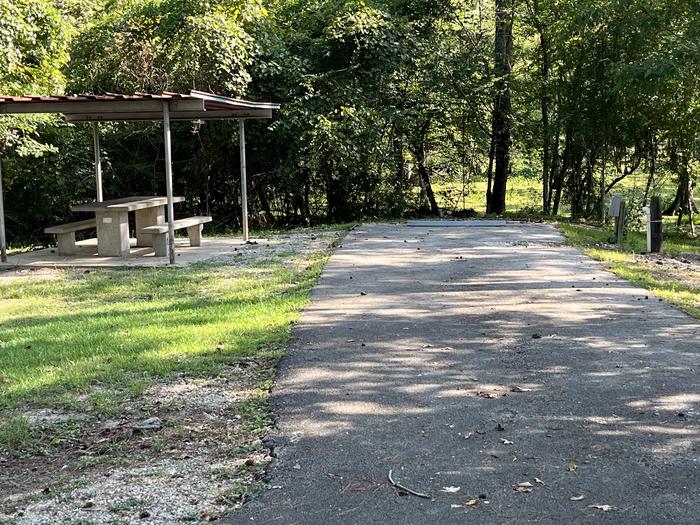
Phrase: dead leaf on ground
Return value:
(450, 489)
(472, 502)
(571, 467)
(487, 395)
(577, 498)
(520, 389)
(604, 508)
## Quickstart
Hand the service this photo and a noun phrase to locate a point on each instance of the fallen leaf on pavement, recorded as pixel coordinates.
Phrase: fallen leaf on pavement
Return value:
(487, 395)
(519, 389)
(577, 498)
(604, 508)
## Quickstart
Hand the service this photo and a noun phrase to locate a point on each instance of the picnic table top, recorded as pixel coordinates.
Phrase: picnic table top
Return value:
(125, 204)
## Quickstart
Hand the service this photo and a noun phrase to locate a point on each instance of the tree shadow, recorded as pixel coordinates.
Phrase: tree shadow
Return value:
(472, 340)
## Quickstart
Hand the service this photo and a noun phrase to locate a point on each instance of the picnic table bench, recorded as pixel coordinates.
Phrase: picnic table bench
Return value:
(159, 233)
(65, 234)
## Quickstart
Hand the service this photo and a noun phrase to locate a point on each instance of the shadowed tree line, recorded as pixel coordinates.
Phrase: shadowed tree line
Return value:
(384, 102)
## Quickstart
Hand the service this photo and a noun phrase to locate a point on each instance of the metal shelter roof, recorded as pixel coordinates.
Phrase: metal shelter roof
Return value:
(197, 105)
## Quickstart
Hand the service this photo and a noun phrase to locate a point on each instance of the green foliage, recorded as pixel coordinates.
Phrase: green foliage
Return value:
(381, 101)
(157, 45)
(33, 34)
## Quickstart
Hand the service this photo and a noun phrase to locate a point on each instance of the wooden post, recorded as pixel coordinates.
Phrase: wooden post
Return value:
(98, 160)
(169, 181)
(620, 223)
(3, 239)
(656, 225)
(244, 182)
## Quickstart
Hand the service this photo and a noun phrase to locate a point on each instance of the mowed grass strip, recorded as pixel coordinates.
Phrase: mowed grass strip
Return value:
(679, 287)
(63, 334)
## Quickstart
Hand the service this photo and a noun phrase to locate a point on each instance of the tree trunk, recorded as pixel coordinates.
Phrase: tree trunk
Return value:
(560, 175)
(603, 211)
(652, 168)
(545, 101)
(489, 177)
(418, 151)
(503, 53)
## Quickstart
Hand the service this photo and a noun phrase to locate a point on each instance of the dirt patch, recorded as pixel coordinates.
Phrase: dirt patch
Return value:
(8, 274)
(197, 456)
(684, 269)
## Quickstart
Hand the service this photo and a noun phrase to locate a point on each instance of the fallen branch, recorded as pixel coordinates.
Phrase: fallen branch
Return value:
(399, 486)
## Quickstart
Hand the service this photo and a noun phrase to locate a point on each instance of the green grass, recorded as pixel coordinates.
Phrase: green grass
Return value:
(675, 287)
(14, 433)
(523, 194)
(89, 341)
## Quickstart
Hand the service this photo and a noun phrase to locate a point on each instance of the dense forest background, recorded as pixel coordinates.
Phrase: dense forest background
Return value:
(390, 108)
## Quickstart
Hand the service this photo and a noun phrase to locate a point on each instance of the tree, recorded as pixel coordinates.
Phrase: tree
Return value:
(501, 122)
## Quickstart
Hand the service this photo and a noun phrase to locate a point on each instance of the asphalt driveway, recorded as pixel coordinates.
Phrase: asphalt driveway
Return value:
(471, 360)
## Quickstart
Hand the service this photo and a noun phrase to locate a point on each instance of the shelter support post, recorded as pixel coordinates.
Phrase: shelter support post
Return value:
(244, 181)
(169, 181)
(3, 239)
(98, 159)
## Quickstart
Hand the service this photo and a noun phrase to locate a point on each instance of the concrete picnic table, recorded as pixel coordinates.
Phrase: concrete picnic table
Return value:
(113, 221)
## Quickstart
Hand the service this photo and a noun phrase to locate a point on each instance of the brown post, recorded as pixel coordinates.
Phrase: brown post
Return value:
(620, 223)
(656, 225)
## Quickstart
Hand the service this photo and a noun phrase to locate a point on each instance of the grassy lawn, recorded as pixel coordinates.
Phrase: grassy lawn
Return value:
(674, 277)
(91, 346)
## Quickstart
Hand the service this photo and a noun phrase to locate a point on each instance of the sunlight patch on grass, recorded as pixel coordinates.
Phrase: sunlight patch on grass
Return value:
(123, 328)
